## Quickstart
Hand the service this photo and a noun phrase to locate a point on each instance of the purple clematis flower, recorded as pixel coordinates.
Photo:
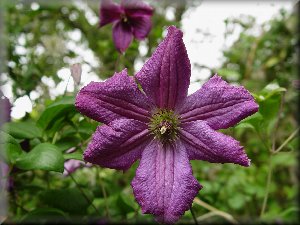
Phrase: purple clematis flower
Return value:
(163, 127)
(132, 18)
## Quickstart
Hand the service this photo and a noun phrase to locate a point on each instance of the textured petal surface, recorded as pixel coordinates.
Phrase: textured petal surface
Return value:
(204, 143)
(122, 36)
(164, 184)
(109, 12)
(136, 8)
(118, 97)
(220, 104)
(117, 145)
(141, 27)
(165, 77)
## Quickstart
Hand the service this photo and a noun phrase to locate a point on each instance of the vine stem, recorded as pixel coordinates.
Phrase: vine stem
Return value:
(269, 179)
(194, 216)
(82, 192)
(104, 193)
(286, 141)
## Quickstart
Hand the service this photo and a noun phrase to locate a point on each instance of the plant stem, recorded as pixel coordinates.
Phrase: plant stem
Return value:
(269, 178)
(215, 210)
(206, 216)
(286, 141)
(277, 124)
(117, 63)
(82, 192)
(54, 138)
(194, 216)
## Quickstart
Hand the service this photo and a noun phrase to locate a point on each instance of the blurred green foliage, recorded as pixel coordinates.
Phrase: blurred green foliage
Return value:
(36, 147)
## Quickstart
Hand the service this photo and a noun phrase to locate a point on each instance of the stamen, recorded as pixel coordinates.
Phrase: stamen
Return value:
(164, 125)
(163, 130)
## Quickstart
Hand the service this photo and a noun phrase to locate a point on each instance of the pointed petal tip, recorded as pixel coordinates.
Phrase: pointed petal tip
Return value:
(173, 30)
(249, 163)
(242, 159)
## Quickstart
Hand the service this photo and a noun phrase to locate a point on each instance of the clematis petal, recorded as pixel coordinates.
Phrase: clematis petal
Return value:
(141, 27)
(117, 145)
(122, 36)
(117, 97)
(220, 104)
(165, 76)
(164, 184)
(204, 143)
(109, 12)
(136, 8)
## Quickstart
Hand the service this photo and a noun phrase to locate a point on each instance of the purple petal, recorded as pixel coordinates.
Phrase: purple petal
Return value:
(204, 143)
(141, 27)
(136, 8)
(5, 109)
(165, 77)
(164, 184)
(122, 36)
(71, 166)
(117, 145)
(221, 105)
(117, 97)
(109, 12)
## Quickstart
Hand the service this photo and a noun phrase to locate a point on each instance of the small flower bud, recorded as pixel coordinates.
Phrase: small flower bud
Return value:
(76, 73)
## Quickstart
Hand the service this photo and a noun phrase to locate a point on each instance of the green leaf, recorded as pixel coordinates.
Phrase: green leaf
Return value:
(253, 121)
(69, 200)
(269, 102)
(67, 143)
(270, 90)
(229, 74)
(284, 159)
(272, 62)
(74, 155)
(10, 148)
(86, 128)
(123, 206)
(22, 130)
(44, 215)
(44, 156)
(269, 107)
(56, 112)
(237, 201)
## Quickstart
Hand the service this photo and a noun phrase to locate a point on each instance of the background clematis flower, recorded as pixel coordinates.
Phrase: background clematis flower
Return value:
(163, 127)
(132, 18)
(72, 165)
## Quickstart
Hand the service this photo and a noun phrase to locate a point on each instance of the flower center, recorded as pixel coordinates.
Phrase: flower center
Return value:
(164, 124)
(124, 18)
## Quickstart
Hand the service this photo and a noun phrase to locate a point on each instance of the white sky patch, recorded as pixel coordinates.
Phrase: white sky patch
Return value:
(170, 13)
(209, 19)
